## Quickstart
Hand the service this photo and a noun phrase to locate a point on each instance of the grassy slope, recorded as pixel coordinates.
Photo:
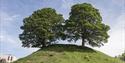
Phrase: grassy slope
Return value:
(67, 54)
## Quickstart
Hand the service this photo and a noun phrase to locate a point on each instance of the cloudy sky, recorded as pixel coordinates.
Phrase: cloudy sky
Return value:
(12, 13)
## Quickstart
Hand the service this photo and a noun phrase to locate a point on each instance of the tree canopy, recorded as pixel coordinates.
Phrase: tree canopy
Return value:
(40, 28)
(45, 26)
(85, 22)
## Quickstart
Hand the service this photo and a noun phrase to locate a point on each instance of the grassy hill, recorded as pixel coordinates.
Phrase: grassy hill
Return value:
(67, 54)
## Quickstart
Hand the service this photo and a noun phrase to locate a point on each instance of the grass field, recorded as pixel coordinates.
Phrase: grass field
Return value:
(67, 54)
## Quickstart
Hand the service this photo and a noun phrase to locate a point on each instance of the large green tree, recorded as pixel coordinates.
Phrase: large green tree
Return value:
(85, 22)
(41, 28)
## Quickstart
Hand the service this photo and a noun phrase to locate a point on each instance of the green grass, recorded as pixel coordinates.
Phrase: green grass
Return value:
(67, 54)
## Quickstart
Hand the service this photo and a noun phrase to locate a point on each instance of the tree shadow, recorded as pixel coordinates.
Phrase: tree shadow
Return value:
(67, 48)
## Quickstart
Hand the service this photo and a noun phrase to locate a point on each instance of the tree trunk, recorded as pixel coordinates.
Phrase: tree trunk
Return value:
(44, 44)
(83, 41)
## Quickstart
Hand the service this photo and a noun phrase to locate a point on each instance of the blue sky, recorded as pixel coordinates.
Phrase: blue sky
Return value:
(12, 13)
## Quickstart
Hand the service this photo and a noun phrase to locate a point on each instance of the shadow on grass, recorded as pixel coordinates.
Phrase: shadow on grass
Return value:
(67, 48)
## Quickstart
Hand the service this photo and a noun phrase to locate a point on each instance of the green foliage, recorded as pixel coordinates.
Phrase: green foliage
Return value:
(67, 54)
(45, 26)
(41, 28)
(85, 22)
(122, 57)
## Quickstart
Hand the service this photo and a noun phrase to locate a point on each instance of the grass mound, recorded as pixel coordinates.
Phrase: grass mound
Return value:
(67, 54)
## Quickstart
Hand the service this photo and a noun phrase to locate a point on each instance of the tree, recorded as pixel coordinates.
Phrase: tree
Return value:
(122, 57)
(40, 28)
(85, 22)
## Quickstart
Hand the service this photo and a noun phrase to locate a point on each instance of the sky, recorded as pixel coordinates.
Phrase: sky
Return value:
(12, 13)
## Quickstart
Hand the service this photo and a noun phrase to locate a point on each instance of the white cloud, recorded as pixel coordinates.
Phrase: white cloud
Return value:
(4, 37)
(66, 4)
(116, 44)
(6, 19)
(119, 2)
(10, 43)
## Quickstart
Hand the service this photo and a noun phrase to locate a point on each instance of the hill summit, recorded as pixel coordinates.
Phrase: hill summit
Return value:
(60, 53)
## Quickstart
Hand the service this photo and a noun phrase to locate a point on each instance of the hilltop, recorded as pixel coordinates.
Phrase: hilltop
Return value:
(67, 54)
